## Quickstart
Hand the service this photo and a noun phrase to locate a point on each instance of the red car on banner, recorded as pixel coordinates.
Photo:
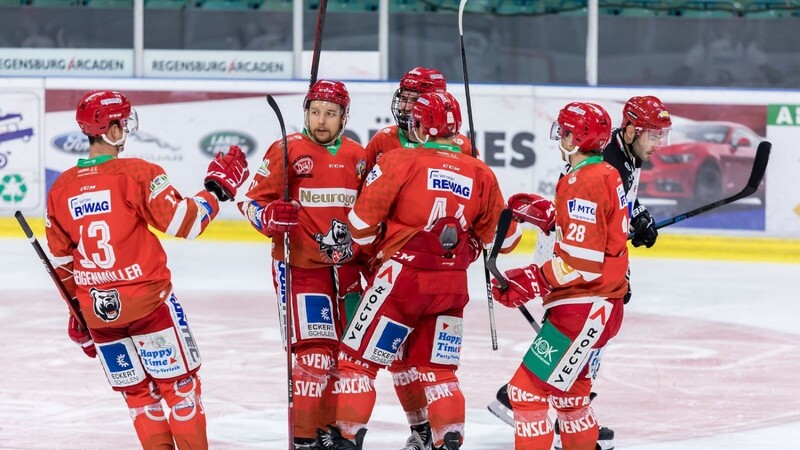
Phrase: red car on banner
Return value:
(705, 162)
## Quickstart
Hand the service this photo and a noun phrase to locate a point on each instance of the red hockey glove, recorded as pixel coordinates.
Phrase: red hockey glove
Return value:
(226, 173)
(532, 208)
(523, 284)
(280, 216)
(81, 336)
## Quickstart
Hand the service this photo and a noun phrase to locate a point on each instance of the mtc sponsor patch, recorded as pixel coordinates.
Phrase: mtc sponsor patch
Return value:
(580, 209)
(316, 317)
(386, 342)
(90, 203)
(444, 180)
(122, 369)
(449, 334)
(158, 185)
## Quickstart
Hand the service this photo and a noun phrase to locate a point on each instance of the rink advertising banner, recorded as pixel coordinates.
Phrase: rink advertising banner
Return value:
(21, 177)
(217, 64)
(66, 62)
(783, 194)
(184, 123)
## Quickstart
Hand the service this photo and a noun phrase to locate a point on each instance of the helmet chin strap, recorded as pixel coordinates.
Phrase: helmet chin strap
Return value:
(567, 153)
(118, 143)
(416, 136)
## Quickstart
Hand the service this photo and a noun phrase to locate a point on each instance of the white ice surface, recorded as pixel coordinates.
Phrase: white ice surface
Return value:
(708, 358)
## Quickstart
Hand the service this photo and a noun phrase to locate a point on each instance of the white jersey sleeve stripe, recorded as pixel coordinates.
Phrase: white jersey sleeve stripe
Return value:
(582, 253)
(177, 219)
(356, 221)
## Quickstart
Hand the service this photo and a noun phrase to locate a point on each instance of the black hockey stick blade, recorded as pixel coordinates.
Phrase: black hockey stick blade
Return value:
(756, 176)
(503, 224)
(72, 304)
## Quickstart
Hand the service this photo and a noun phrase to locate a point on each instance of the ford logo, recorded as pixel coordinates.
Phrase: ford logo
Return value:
(220, 141)
(72, 143)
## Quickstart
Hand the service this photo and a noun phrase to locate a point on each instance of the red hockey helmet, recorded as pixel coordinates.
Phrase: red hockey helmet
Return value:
(647, 113)
(439, 113)
(97, 110)
(423, 80)
(589, 124)
(329, 91)
(418, 80)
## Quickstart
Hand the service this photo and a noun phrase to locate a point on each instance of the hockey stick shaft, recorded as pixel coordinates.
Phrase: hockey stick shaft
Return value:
(756, 175)
(490, 301)
(503, 224)
(323, 7)
(287, 275)
(72, 304)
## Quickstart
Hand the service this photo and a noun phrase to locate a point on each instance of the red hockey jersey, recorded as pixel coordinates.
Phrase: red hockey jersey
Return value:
(97, 227)
(325, 181)
(409, 190)
(591, 255)
(390, 138)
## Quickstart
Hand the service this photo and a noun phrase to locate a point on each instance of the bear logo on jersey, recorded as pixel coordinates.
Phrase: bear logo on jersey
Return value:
(337, 244)
(106, 304)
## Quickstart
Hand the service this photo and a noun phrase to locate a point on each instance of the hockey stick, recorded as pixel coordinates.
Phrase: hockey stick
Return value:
(72, 303)
(756, 175)
(288, 277)
(503, 225)
(492, 325)
(323, 7)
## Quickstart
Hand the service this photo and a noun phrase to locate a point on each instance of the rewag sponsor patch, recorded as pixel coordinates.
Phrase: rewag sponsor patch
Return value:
(623, 199)
(444, 180)
(90, 203)
(580, 209)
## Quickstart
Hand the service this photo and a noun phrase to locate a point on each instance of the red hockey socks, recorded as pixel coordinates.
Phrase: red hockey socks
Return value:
(410, 392)
(446, 405)
(355, 391)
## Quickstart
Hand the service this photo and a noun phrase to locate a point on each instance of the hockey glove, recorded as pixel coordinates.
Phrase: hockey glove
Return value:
(532, 208)
(523, 284)
(280, 216)
(81, 336)
(226, 173)
(644, 228)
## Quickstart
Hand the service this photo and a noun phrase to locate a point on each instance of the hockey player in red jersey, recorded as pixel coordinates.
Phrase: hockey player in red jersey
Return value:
(325, 174)
(582, 287)
(427, 211)
(415, 82)
(97, 230)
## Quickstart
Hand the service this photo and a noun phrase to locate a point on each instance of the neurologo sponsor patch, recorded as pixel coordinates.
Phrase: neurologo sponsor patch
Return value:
(584, 210)
(90, 203)
(444, 180)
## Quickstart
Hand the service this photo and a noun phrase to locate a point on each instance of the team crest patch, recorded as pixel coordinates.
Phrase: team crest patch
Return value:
(158, 185)
(263, 169)
(360, 168)
(107, 306)
(337, 244)
(303, 165)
